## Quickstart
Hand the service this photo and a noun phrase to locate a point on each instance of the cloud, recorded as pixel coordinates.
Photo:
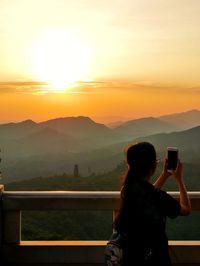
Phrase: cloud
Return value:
(97, 87)
(24, 87)
(131, 86)
(38, 88)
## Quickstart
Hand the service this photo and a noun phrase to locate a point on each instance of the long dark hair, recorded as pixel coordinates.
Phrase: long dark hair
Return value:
(141, 160)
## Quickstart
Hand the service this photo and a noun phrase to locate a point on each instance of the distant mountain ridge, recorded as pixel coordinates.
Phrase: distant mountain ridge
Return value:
(183, 120)
(187, 140)
(170, 122)
(74, 125)
(31, 149)
(77, 126)
(60, 135)
(133, 128)
(12, 130)
(144, 127)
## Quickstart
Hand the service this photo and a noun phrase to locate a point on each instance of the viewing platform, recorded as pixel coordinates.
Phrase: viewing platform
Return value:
(15, 252)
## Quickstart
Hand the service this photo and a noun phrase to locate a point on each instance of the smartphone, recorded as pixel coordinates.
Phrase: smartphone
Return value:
(172, 156)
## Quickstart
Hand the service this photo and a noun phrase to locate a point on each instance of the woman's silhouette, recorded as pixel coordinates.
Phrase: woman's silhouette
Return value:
(144, 208)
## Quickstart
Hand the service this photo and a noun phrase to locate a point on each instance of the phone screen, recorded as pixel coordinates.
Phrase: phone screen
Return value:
(172, 159)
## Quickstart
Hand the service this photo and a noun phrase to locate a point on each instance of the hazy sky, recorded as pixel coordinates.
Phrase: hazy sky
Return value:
(145, 55)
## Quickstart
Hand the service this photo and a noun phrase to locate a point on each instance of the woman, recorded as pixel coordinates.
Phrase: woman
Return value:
(144, 208)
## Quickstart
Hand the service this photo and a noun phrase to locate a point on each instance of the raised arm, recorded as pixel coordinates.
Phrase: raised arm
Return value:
(163, 177)
(184, 199)
(178, 174)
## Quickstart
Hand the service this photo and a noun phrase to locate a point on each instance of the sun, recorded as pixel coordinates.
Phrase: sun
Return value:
(61, 58)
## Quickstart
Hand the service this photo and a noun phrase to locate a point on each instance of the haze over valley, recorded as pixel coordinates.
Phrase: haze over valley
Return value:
(30, 149)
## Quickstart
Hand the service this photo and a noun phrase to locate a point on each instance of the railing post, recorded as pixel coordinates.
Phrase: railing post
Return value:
(1, 222)
(12, 226)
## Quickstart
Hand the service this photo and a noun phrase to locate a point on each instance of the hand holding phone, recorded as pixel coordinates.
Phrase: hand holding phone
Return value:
(172, 159)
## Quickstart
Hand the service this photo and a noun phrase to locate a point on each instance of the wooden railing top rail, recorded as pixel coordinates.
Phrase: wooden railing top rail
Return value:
(80, 194)
(76, 200)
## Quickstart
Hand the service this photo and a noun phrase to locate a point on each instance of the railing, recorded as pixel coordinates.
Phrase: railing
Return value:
(57, 253)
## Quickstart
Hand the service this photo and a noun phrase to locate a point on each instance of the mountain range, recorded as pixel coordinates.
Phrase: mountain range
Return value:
(184, 120)
(31, 149)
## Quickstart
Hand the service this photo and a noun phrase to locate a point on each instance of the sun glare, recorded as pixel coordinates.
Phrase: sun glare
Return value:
(61, 58)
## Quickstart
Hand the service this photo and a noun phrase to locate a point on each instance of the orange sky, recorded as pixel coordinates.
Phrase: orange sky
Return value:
(102, 101)
(141, 58)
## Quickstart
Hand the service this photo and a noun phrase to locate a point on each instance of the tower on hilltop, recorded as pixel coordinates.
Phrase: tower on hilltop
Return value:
(76, 171)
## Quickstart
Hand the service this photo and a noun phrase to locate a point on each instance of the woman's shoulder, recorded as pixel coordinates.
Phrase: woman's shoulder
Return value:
(170, 205)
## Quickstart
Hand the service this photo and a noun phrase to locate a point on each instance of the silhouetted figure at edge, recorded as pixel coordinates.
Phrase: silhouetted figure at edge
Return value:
(144, 208)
